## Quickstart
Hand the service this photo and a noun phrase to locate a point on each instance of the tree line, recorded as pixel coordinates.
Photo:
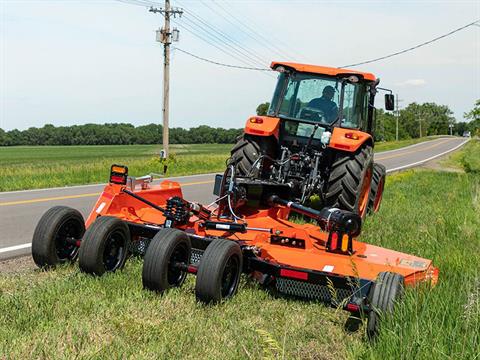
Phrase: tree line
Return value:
(116, 134)
(414, 121)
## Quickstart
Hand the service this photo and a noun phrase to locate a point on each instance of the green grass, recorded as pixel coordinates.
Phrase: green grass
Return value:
(392, 145)
(30, 167)
(66, 314)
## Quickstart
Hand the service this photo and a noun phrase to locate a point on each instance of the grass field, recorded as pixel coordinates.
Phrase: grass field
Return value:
(33, 167)
(65, 314)
(30, 167)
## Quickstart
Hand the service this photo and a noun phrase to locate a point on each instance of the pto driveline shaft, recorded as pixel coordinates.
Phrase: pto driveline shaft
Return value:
(329, 219)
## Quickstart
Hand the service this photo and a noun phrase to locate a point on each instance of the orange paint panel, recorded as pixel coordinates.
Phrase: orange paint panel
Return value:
(267, 126)
(330, 71)
(348, 139)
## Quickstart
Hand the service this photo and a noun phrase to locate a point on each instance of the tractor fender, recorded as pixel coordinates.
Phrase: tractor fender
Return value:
(349, 139)
(263, 126)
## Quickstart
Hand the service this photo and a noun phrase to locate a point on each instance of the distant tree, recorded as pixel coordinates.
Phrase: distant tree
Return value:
(474, 117)
(262, 109)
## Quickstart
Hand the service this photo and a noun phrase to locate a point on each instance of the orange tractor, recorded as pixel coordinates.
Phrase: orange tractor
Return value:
(316, 139)
(246, 230)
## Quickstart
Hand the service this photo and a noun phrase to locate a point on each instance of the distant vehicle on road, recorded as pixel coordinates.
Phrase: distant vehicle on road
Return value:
(466, 134)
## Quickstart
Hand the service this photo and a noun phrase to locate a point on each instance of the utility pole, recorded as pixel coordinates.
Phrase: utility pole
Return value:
(397, 115)
(166, 36)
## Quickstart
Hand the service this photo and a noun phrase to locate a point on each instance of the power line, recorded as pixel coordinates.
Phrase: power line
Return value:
(414, 47)
(256, 35)
(235, 24)
(211, 35)
(223, 39)
(221, 64)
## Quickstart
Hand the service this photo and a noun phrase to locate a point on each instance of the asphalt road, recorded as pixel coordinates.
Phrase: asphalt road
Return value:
(21, 210)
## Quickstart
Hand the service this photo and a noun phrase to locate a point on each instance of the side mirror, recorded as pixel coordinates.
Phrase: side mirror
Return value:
(389, 102)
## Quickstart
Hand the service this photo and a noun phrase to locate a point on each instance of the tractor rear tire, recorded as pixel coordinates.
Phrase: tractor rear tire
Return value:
(348, 185)
(104, 247)
(168, 246)
(246, 152)
(376, 189)
(386, 291)
(52, 239)
(219, 271)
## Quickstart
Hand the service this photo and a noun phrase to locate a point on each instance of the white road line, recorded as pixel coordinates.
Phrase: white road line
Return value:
(28, 245)
(426, 160)
(15, 248)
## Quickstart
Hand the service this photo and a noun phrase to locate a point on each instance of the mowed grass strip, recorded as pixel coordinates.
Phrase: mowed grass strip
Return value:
(65, 314)
(51, 166)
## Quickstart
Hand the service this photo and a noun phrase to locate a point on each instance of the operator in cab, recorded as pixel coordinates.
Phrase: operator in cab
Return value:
(326, 104)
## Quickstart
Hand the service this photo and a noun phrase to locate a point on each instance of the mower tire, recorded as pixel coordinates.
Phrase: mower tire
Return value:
(104, 247)
(169, 246)
(55, 237)
(246, 152)
(348, 185)
(386, 291)
(219, 271)
(376, 189)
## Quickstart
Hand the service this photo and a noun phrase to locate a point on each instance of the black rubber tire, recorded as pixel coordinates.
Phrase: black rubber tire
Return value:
(247, 150)
(167, 245)
(48, 243)
(213, 284)
(347, 178)
(387, 290)
(378, 183)
(106, 233)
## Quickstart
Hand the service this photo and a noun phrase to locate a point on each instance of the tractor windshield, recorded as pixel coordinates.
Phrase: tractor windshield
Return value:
(318, 98)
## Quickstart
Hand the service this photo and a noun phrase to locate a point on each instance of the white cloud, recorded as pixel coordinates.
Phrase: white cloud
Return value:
(412, 82)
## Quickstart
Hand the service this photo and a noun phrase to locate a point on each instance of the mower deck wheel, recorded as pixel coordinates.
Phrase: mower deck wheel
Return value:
(388, 289)
(55, 237)
(104, 247)
(168, 247)
(376, 189)
(219, 271)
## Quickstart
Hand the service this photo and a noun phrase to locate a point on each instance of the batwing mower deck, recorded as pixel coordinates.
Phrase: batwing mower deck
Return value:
(176, 237)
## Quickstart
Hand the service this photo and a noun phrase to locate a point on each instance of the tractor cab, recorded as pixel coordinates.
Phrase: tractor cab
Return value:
(309, 98)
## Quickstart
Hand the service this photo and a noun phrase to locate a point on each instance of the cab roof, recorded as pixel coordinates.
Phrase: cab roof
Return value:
(315, 69)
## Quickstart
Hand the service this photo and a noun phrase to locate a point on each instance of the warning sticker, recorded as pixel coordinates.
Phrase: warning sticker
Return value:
(413, 263)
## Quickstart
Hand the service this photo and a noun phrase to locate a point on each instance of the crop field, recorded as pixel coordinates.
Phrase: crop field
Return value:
(33, 167)
(433, 214)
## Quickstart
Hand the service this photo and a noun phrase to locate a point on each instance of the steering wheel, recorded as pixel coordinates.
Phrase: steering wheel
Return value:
(312, 114)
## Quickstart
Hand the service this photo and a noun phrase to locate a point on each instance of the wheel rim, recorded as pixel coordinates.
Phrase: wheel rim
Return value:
(65, 240)
(180, 254)
(114, 251)
(362, 206)
(378, 197)
(230, 276)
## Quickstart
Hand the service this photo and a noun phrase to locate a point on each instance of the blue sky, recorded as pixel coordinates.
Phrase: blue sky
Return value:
(75, 62)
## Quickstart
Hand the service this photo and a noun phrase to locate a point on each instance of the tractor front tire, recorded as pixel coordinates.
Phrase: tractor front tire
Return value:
(348, 185)
(54, 236)
(104, 247)
(168, 246)
(246, 152)
(386, 291)
(219, 271)
(376, 189)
